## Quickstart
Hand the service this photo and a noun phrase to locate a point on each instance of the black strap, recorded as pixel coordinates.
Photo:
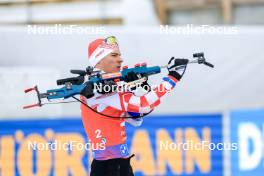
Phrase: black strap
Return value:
(113, 117)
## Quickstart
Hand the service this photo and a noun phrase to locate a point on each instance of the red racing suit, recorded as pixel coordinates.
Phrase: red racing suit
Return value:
(111, 132)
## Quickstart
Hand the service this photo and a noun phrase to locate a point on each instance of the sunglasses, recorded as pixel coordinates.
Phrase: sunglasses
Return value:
(111, 40)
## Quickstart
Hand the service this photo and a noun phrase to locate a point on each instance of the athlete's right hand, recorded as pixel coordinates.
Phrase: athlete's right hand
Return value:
(132, 76)
(88, 90)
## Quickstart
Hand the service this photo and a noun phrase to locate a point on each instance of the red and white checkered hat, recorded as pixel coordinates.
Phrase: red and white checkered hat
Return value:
(100, 48)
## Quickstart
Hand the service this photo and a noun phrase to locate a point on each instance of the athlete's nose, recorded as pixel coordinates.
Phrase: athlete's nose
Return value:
(120, 60)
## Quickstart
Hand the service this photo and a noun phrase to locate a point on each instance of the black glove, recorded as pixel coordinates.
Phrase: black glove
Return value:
(177, 67)
(88, 90)
(132, 76)
(106, 87)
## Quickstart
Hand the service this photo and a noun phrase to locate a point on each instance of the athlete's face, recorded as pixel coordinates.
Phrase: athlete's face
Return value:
(111, 63)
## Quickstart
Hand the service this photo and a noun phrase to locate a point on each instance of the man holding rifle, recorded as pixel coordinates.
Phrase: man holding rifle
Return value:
(114, 160)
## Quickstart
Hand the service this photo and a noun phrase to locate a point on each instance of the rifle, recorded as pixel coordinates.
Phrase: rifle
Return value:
(74, 85)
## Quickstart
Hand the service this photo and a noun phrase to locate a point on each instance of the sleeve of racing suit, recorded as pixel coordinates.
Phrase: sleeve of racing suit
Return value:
(128, 102)
(147, 102)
